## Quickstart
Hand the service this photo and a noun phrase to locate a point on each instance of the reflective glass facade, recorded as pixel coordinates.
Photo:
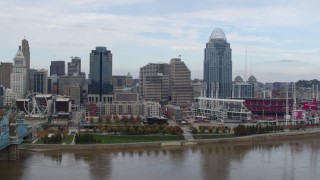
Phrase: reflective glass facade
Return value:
(218, 66)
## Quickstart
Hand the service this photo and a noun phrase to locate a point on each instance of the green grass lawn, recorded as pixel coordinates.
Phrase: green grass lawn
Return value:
(68, 139)
(211, 136)
(27, 141)
(113, 139)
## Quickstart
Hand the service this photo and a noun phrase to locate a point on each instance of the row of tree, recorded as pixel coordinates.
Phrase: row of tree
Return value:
(55, 138)
(85, 138)
(242, 130)
(140, 130)
(210, 130)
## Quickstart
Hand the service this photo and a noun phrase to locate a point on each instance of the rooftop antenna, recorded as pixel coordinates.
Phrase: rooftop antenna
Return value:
(245, 67)
(251, 67)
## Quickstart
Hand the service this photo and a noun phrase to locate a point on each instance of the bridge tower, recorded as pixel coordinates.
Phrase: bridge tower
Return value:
(9, 139)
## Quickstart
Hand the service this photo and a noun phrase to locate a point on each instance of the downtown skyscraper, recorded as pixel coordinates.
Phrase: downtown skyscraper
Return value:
(100, 87)
(217, 66)
(18, 77)
(26, 54)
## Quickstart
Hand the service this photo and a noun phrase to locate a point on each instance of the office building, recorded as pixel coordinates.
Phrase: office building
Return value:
(9, 98)
(74, 92)
(53, 84)
(26, 54)
(218, 66)
(100, 87)
(5, 69)
(241, 89)
(67, 81)
(180, 89)
(39, 80)
(120, 82)
(151, 109)
(58, 68)
(154, 81)
(18, 77)
(74, 67)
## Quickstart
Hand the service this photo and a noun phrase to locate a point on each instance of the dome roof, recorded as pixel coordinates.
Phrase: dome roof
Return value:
(252, 79)
(238, 79)
(217, 34)
(129, 75)
(19, 53)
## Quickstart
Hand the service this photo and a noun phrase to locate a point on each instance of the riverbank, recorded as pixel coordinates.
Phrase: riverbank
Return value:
(243, 139)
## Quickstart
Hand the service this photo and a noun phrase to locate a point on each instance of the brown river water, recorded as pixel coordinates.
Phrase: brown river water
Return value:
(285, 160)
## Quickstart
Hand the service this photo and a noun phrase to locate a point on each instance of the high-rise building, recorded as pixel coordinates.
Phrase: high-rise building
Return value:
(18, 77)
(148, 76)
(218, 66)
(241, 89)
(69, 80)
(74, 67)
(9, 97)
(53, 84)
(39, 80)
(155, 87)
(26, 54)
(58, 68)
(180, 89)
(74, 92)
(120, 82)
(5, 69)
(100, 86)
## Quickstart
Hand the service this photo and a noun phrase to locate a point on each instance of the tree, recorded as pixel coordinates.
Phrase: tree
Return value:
(125, 119)
(91, 119)
(100, 119)
(132, 119)
(147, 130)
(115, 129)
(100, 126)
(109, 129)
(108, 118)
(56, 137)
(140, 130)
(139, 119)
(124, 130)
(116, 118)
(194, 130)
(64, 133)
(131, 131)
(210, 129)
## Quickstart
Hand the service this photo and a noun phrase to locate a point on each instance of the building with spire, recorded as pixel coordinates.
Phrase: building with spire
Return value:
(217, 66)
(26, 54)
(18, 77)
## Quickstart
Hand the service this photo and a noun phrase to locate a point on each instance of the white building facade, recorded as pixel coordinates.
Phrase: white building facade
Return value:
(18, 77)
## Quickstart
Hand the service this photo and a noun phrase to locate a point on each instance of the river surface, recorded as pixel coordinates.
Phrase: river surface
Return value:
(285, 160)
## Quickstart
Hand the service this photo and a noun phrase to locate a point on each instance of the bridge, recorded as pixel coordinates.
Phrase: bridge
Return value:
(12, 131)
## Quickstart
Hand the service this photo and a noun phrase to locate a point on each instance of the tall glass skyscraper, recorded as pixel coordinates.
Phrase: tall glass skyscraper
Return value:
(217, 66)
(100, 73)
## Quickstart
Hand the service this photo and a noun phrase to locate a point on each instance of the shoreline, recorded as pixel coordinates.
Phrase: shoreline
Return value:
(286, 135)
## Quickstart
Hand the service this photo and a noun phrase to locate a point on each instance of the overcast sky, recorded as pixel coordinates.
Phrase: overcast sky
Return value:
(282, 37)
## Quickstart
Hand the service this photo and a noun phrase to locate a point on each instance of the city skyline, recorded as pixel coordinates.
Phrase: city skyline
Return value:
(281, 38)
